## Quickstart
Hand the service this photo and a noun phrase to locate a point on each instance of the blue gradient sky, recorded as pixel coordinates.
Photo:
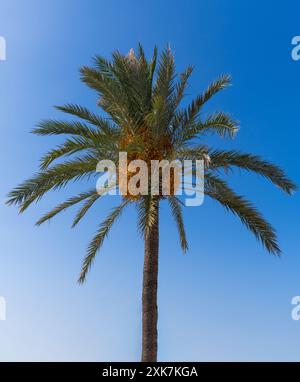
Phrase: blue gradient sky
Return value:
(227, 299)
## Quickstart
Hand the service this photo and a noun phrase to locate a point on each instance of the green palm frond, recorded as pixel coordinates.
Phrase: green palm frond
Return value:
(226, 159)
(89, 203)
(113, 100)
(192, 153)
(152, 67)
(248, 214)
(98, 239)
(68, 203)
(197, 104)
(219, 123)
(133, 82)
(216, 86)
(111, 97)
(102, 146)
(181, 86)
(165, 86)
(147, 213)
(177, 214)
(81, 112)
(93, 78)
(158, 118)
(69, 147)
(83, 210)
(145, 117)
(53, 127)
(52, 178)
(104, 67)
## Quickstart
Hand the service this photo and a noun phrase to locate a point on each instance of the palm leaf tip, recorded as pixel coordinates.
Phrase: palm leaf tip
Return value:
(63, 206)
(83, 210)
(98, 240)
(16, 196)
(176, 210)
(217, 189)
(254, 163)
(290, 187)
(59, 176)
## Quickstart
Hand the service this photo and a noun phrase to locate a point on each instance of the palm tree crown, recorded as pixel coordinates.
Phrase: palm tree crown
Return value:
(143, 116)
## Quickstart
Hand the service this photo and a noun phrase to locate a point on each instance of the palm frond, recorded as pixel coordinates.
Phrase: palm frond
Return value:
(133, 81)
(192, 153)
(164, 86)
(53, 178)
(181, 86)
(177, 214)
(146, 118)
(147, 208)
(112, 99)
(98, 239)
(226, 159)
(87, 205)
(99, 145)
(152, 67)
(84, 113)
(196, 105)
(63, 206)
(104, 67)
(93, 78)
(53, 127)
(83, 210)
(219, 123)
(158, 118)
(248, 214)
(69, 147)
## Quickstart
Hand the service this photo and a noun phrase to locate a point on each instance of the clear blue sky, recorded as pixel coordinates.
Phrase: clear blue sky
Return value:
(227, 299)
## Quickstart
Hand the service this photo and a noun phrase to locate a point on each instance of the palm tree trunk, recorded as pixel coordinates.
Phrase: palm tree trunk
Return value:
(149, 298)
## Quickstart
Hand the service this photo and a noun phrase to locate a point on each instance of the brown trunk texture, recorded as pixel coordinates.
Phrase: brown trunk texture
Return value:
(149, 298)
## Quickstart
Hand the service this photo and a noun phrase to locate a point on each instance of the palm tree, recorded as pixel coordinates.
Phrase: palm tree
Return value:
(144, 117)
